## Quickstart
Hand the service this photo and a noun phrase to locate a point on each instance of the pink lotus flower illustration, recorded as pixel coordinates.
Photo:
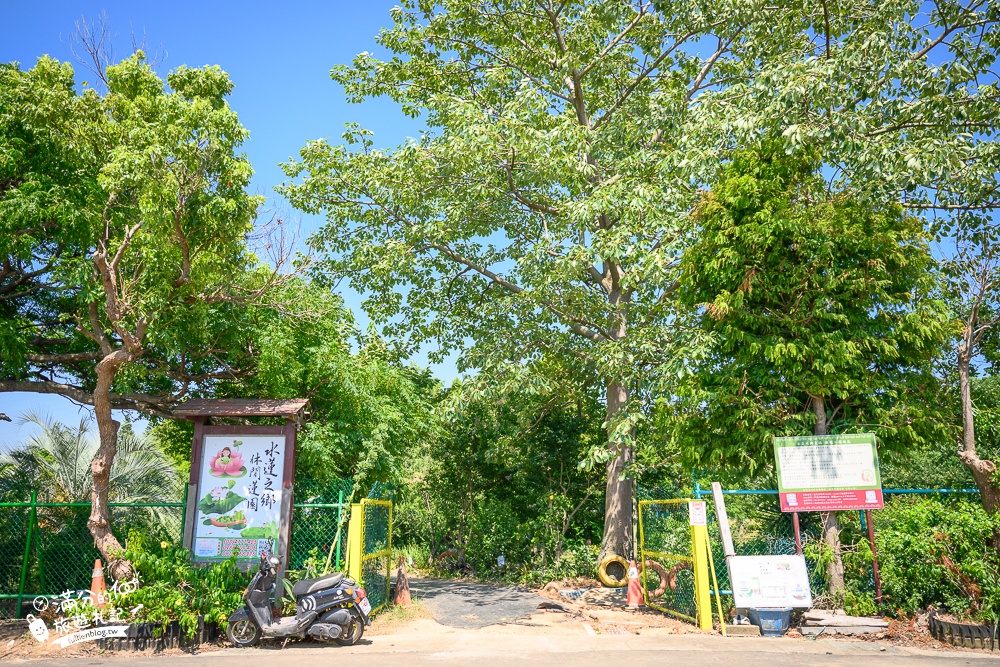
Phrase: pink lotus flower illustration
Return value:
(227, 464)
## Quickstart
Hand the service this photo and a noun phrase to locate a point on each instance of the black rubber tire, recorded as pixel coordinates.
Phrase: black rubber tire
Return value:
(241, 631)
(354, 632)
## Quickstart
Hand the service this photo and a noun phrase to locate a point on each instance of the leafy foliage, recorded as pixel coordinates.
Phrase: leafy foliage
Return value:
(501, 477)
(56, 459)
(175, 590)
(806, 297)
(938, 553)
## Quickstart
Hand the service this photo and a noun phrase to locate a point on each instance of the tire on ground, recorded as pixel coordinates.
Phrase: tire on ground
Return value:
(606, 578)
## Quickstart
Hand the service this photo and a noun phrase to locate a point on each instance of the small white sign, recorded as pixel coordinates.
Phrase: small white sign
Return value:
(698, 513)
(770, 581)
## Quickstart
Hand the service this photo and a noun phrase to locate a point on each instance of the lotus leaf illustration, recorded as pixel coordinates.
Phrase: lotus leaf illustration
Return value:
(227, 466)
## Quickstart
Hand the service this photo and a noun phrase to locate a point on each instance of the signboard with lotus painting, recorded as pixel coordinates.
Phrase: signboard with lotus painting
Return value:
(239, 511)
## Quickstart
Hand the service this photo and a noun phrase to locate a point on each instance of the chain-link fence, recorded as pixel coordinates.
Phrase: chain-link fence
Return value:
(46, 548)
(375, 553)
(319, 522)
(666, 559)
(759, 527)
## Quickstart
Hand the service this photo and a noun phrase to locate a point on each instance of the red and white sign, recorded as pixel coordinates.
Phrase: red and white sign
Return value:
(823, 501)
(698, 513)
(828, 473)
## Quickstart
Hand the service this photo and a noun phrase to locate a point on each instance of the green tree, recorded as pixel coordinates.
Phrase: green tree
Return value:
(547, 204)
(824, 318)
(57, 459)
(367, 409)
(972, 276)
(501, 476)
(130, 261)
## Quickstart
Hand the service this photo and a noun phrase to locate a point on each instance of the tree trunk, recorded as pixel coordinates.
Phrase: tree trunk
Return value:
(982, 470)
(831, 527)
(618, 499)
(99, 523)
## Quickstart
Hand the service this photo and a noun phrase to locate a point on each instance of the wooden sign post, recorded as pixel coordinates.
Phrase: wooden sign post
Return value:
(240, 490)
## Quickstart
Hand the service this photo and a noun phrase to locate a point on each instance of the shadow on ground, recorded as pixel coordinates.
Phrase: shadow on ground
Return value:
(462, 604)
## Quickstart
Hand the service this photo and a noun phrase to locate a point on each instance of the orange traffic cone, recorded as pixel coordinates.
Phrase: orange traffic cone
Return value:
(98, 589)
(402, 586)
(634, 588)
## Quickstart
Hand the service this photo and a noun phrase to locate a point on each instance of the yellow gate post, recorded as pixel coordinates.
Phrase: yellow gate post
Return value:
(702, 591)
(355, 541)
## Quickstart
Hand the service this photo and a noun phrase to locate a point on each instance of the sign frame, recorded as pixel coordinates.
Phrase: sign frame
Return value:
(849, 494)
(790, 570)
(200, 411)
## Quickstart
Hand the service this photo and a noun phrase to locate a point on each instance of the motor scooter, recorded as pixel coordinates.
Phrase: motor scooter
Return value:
(329, 608)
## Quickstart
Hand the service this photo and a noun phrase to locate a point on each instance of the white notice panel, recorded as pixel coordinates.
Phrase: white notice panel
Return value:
(239, 508)
(770, 581)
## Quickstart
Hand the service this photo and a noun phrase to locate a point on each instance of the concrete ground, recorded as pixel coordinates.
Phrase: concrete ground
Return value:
(460, 624)
(420, 644)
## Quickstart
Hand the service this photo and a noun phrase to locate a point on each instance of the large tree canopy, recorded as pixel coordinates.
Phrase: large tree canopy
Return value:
(545, 209)
(124, 221)
(820, 311)
(824, 316)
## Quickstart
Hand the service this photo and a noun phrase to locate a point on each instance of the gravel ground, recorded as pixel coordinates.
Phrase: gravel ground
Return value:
(461, 604)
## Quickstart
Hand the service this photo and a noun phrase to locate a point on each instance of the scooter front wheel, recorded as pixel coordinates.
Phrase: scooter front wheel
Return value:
(354, 632)
(241, 631)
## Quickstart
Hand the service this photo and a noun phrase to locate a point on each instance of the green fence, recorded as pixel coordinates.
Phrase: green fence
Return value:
(666, 558)
(759, 527)
(46, 549)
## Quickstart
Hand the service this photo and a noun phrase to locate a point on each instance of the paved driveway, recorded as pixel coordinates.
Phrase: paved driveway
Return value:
(461, 604)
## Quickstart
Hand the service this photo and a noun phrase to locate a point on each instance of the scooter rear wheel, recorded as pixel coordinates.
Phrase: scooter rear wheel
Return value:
(242, 632)
(354, 632)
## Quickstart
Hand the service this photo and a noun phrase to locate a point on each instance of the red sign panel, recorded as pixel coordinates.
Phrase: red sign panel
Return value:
(824, 501)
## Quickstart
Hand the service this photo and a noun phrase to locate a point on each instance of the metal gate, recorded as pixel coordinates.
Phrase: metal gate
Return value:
(673, 561)
(369, 548)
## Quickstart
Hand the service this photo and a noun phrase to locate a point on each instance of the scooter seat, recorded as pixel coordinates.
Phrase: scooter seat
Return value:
(307, 586)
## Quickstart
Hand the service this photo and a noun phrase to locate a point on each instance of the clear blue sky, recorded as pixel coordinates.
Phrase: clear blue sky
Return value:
(278, 55)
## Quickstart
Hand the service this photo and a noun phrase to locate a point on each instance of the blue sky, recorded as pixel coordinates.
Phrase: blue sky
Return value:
(278, 55)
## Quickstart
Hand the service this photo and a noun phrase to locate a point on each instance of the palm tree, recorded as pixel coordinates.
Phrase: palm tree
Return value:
(58, 457)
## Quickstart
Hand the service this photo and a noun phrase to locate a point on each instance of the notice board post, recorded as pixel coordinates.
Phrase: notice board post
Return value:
(830, 473)
(240, 490)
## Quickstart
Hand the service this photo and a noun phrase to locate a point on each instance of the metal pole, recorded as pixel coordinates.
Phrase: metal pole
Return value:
(340, 523)
(798, 533)
(871, 542)
(27, 553)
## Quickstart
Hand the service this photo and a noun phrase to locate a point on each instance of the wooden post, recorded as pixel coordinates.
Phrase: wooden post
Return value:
(723, 518)
(287, 496)
(191, 499)
(871, 543)
(798, 533)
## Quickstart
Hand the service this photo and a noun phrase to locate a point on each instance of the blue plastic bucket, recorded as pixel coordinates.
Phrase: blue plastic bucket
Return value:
(772, 621)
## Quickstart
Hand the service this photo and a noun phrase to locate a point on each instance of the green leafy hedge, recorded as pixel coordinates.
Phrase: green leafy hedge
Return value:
(933, 552)
(172, 588)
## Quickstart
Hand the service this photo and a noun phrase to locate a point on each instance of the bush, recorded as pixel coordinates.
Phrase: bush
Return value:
(933, 552)
(173, 589)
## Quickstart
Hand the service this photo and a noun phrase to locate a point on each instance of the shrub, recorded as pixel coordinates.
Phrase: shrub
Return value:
(174, 589)
(933, 552)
